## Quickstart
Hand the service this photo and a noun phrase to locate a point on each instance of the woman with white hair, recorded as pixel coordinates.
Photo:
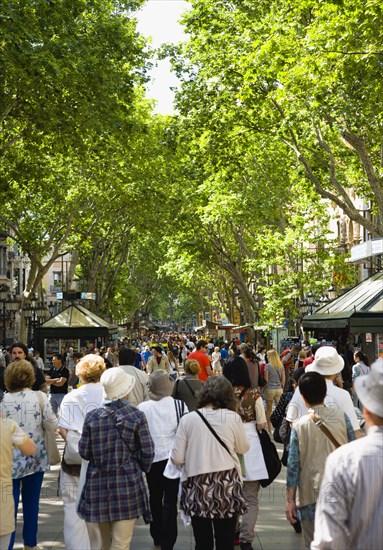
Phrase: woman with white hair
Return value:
(74, 408)
(116, 441)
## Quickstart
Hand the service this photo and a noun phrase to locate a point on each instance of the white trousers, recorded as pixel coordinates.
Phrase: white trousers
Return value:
(4, 541)
(76, 534)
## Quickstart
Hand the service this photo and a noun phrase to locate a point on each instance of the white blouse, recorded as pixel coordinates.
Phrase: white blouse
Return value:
(162, 420)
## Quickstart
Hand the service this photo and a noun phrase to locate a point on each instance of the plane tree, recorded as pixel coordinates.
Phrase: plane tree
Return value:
(308, 73)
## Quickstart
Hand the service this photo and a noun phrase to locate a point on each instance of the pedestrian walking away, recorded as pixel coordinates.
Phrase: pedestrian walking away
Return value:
(73, 410)
(22, 405)
(350, 505)
(212, 480)
(117, 443)
(163, 414)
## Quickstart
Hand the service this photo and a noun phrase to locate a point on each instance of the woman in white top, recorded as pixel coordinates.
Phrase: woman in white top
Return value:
(212, 481)
(216, 360)
(163, 414)
(74, 407)
(22, 405)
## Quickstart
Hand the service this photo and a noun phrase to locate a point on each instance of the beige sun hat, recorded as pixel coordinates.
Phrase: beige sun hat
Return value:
(327, 361)
(117, 383)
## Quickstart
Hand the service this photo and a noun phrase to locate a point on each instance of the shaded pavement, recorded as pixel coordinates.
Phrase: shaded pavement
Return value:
(273, 531)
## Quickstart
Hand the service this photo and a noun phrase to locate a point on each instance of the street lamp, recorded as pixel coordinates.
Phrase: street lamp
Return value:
(324, 299)
(309, 304)
(51, 308)
(8, 313)
(36, 313)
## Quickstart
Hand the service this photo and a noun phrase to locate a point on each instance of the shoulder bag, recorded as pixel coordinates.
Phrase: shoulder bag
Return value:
(189, 387)
(319, 422)
(53, 453)
(172, 471)
(271, 458)
(240, 456)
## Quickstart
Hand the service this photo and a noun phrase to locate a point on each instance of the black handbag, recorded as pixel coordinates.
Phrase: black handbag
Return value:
(276, 436)
(261, 381)
(271, 458)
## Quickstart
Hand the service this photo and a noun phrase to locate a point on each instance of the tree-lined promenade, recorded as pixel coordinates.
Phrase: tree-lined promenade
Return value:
(222, 203)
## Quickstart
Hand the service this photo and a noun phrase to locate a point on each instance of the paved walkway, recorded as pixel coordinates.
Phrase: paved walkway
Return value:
(273, 531)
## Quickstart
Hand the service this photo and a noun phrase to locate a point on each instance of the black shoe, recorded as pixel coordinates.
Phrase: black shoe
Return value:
(297, 527)
(246, 546)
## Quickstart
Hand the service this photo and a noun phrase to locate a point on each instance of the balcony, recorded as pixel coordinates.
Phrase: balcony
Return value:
(5, 283)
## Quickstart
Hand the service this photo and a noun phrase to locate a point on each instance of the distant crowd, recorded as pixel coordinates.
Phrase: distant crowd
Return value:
(153, 427)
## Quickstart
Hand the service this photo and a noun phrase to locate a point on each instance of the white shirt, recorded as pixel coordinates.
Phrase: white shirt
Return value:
(77, 403)
(162, 420)
(40, 362)
(335, 397)
(139, 393)
(349, 510)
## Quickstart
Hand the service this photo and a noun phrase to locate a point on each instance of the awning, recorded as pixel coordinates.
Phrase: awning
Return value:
(75, 322)
(359, 309)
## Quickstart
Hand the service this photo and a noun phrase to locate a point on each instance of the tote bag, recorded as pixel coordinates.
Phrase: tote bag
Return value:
(271, 457)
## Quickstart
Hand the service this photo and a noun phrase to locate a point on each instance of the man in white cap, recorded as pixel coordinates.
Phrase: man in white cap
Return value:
(350, 506)
(329, 364)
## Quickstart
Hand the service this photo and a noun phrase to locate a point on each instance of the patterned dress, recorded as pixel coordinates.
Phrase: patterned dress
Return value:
(216, 495)
(24, 408)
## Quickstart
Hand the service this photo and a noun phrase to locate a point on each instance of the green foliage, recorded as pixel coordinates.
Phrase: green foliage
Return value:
(306, 73)
(218, 206)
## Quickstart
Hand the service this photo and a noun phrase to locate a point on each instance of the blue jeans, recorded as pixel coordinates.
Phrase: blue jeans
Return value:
(30, 494)
(55, 400)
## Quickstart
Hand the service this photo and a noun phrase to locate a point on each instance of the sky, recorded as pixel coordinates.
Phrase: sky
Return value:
(158, 19)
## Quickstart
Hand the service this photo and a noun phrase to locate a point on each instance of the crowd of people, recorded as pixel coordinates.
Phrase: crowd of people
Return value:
(163, 425)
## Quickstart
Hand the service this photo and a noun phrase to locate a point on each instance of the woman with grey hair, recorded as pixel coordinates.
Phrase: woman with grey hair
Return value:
(207, 443)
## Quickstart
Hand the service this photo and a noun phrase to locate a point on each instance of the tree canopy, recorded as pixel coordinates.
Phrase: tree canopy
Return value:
(224, 204)
(307, 73)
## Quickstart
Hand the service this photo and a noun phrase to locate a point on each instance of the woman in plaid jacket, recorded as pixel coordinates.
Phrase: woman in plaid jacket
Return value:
(116, 441)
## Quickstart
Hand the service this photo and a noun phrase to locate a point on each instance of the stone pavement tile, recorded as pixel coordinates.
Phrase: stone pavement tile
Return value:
(273, 531)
